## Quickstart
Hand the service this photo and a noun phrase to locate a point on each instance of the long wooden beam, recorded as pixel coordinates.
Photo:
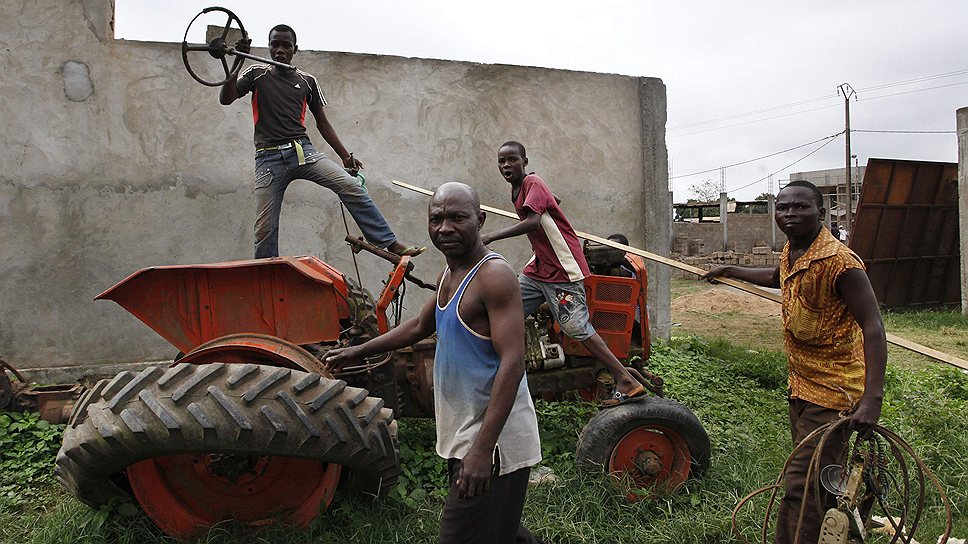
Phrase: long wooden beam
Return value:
(741, 285)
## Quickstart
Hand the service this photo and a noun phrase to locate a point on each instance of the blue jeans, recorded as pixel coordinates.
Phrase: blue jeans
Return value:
(566, 300)
(274, 171)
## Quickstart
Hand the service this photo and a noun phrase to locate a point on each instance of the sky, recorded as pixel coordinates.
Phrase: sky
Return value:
(744, 79)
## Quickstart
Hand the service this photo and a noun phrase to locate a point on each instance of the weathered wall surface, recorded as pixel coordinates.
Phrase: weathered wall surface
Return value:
(114, 159)
(962, 123)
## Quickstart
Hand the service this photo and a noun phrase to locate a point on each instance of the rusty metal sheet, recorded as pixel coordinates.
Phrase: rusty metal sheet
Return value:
(906, 231)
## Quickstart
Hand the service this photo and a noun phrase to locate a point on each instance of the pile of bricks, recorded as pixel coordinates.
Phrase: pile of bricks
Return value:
(762, 256)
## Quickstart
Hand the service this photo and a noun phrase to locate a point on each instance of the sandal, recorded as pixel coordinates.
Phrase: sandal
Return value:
(618, 398)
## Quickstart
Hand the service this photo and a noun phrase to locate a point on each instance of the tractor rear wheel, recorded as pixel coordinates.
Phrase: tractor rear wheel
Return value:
(199, 444)
(653, 443)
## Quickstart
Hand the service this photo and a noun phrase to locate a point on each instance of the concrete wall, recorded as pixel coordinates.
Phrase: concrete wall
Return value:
(113, 159)
(962, 121)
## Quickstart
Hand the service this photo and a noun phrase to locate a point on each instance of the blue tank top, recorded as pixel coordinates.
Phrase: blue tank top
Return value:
(465, 365)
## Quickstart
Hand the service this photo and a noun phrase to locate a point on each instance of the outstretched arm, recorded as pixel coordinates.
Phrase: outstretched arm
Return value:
(329, 134)
(526, 225)
(854, 287)
(408, 333)
(764, 277)
(501, 298)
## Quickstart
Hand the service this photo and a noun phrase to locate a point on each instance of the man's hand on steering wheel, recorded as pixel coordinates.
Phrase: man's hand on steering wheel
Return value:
(243, 45)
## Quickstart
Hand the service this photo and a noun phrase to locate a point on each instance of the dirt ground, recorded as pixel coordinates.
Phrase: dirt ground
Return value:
(719, 311)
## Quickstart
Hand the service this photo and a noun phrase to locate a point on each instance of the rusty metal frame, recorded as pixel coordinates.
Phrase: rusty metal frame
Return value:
(906, 232)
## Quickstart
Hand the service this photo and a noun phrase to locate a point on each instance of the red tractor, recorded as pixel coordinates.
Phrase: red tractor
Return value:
(247, 425)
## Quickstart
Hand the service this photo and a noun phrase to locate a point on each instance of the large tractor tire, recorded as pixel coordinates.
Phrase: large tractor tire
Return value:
(199, 444)
(653, 444)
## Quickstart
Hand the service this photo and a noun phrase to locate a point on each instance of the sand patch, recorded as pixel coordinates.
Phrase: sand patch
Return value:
(720, 299)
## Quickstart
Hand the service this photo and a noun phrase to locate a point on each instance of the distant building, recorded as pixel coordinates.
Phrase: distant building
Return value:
(833, 182)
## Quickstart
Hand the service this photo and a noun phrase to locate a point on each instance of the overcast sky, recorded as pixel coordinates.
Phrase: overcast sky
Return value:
(720, 61)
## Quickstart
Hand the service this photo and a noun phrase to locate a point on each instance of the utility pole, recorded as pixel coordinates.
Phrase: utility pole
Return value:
(771, 209)
(723, 207)
(848, 91)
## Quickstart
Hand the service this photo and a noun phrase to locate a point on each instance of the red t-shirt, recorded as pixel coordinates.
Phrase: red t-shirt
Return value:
(557, 252)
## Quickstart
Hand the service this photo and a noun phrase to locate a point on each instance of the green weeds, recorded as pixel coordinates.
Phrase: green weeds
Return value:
(738, 392)
(27, 447)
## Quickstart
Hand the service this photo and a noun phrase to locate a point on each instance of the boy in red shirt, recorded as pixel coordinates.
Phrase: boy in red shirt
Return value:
(556, 272)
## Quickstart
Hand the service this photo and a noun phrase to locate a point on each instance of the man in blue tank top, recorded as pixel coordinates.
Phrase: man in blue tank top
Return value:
(486, 424)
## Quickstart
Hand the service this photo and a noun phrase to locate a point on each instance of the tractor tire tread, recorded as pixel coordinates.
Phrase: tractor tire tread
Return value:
(251, 409)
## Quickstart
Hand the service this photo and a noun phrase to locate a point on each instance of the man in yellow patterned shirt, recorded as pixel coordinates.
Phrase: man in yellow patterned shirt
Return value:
(834, 338)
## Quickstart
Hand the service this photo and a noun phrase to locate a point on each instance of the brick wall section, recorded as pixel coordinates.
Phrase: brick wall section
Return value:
(746, 231)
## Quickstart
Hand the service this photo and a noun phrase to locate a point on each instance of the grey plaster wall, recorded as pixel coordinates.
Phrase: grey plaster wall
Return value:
(962, 123)
(114, 159)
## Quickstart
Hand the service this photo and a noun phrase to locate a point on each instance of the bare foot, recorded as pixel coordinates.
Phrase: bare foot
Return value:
(627, 385)
(399, 249)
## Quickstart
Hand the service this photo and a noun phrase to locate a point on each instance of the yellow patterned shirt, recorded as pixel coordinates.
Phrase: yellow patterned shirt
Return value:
(825, 345)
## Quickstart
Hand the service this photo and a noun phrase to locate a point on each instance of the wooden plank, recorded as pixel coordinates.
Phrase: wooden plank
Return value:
(640, 252)
(927, 352)
(743, 286)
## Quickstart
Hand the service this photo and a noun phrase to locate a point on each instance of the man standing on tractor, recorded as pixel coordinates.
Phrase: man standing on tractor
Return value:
(835, 343)
(486, 424)
(280, 98)
(556, 272)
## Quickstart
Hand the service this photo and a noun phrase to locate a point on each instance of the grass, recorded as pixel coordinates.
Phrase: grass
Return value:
(941, 330)
(737, 392)
(945, 331)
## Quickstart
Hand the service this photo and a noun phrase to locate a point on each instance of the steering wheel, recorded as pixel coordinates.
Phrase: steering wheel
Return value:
(217, 48)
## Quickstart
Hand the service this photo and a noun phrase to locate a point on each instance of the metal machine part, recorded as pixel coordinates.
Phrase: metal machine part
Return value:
(540, 353)
(553, 354)
(833, 529)
(605, 260)
(53, 402)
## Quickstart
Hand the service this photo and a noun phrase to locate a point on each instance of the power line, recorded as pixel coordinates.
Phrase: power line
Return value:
(912, 91)
(814, 109)
(757, 158)
(825, 144)
(826, 97)
(764, 110)
(906, 131)
(915, 80)
(754, 121)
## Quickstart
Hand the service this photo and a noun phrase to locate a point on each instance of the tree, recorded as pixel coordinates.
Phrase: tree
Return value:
(706, 191)
(764, 196)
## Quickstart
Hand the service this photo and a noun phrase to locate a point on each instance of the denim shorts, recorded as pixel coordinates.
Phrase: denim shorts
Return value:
(566, 300)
